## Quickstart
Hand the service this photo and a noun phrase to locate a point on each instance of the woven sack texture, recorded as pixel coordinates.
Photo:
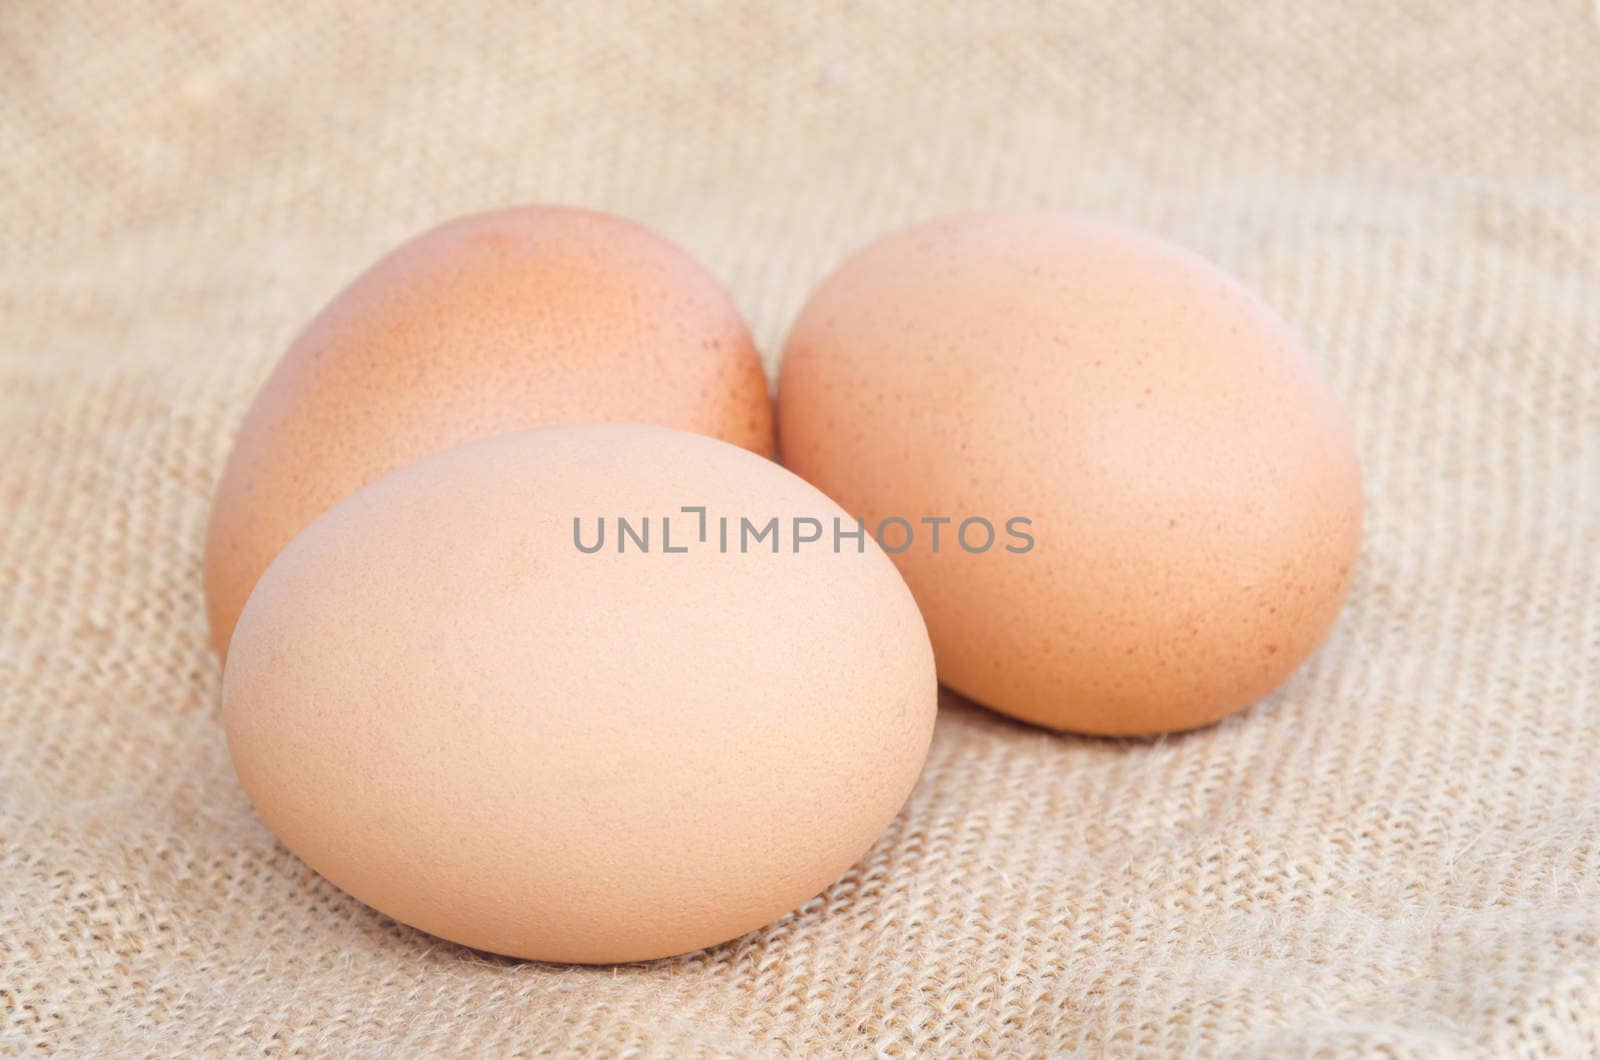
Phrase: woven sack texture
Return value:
(1397, 853)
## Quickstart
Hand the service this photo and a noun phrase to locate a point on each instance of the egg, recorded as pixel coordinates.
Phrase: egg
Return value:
(586, 693)
(1151, 500)
(494, 322)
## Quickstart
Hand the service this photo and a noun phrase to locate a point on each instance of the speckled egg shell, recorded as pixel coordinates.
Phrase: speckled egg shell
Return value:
(494, 322)
(450, 711)
(1192, 486)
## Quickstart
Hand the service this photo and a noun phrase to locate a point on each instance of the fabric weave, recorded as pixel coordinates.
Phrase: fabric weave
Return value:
(1397, 853)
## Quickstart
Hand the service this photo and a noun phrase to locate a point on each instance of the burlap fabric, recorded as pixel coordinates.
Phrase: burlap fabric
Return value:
(1397, 853)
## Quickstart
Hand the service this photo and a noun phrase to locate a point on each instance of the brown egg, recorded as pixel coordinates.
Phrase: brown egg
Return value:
(490, 323)
(449, 706)
(1186, 498)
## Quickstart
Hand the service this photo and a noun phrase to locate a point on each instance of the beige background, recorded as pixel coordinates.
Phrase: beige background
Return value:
(1398, 852)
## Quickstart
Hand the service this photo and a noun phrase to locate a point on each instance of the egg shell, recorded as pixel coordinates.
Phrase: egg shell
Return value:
(494, 322)
(443, 706)
(1191, 485)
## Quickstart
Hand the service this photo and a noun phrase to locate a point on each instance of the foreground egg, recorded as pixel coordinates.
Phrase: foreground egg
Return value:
(456, 700)
(1153, 500)
(494, 322)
